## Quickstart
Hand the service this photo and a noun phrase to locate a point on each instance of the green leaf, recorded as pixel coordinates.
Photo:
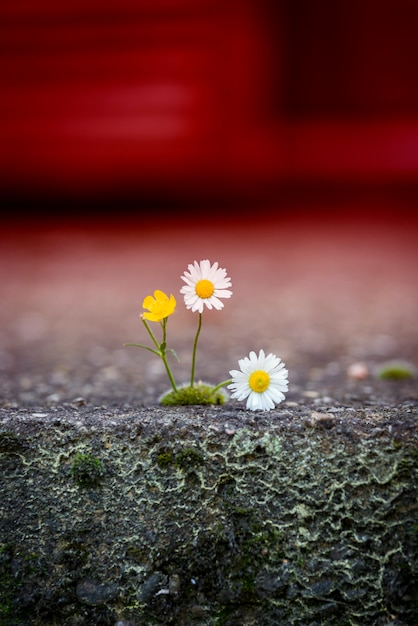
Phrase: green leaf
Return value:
(175, 354)
(140, 345)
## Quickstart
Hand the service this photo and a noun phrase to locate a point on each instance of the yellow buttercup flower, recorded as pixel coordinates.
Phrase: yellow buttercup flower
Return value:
(159, 306)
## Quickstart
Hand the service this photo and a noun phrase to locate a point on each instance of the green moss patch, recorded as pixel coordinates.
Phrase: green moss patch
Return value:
(199, 394)
(87, 470)
(396, 370)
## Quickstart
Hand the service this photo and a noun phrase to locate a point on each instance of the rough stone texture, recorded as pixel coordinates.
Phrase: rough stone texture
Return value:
(208, 516)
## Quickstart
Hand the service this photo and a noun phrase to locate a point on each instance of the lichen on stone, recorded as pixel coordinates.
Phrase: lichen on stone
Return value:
(270, 522)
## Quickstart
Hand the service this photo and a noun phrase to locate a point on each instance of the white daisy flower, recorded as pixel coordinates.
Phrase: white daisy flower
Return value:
(262, 380)
(205, 285)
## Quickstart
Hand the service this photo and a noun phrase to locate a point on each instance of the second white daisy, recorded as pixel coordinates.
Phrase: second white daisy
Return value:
(261, 379)
(205, 285)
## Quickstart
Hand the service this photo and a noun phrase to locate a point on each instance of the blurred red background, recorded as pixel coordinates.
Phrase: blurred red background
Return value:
(278, 137)
(170, 100)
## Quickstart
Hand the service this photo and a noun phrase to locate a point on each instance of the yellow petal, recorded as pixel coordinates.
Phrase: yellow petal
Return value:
(171, 304)
(160, 295)
(148, 302)
(151, 317)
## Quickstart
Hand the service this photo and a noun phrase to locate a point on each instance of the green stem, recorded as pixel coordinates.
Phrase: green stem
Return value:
(151, 334)
(161, 348)
(199, 326)
(164, 356)
(223, 384)
(170, 375)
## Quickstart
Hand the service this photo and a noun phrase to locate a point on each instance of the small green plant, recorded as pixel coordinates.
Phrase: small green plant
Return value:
(261, 380)
(200, 393)
(87, 470)
(188, 458)
(165, 458)
(396, 370)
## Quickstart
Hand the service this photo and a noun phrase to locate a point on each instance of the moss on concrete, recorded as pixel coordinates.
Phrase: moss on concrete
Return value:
(87, 470)
(201, 394)
(396, 370)
(209, 517)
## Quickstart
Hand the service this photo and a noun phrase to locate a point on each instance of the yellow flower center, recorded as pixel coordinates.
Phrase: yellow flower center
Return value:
(259, 381)
(204, 288)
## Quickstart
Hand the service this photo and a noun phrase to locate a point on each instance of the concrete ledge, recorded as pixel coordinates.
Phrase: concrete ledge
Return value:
(208, 516)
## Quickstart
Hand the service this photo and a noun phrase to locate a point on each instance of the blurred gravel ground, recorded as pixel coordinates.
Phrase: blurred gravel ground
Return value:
(321, 291)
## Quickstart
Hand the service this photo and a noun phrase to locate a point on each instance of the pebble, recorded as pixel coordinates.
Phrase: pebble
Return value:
(94, 593)
(54, 397)
(80, 401)
(310, 394)
(174, 583)
(358, 371)
(322, 420)
(216, 428)
(150, 587)
(162, 592)
(323, 400)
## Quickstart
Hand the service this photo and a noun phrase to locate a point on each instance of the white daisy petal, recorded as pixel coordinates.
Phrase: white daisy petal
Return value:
(246, 366)
(271, 361)
(253, 357)
(279, 376)
(223, 293)
(213, 273)
(276, 395)
(215, 302)
(266, 388)
(241, 395)
(196, 306)
(189, 282)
